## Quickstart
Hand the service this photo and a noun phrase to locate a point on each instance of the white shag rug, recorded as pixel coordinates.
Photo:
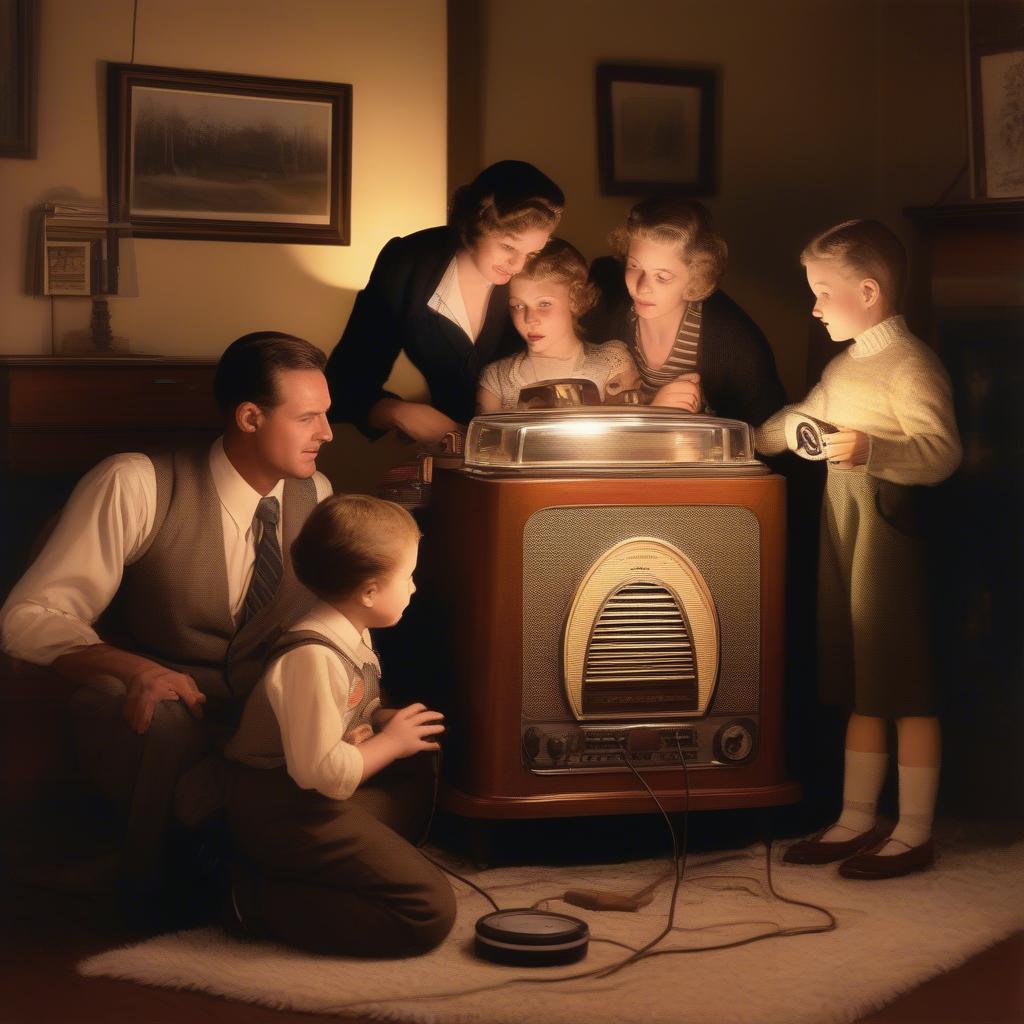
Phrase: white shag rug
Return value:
(890, 937)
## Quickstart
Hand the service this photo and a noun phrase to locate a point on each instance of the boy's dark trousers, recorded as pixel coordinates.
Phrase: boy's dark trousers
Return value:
(339, 876)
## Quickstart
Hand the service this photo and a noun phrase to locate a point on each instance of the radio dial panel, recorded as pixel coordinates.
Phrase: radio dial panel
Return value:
(554, 747)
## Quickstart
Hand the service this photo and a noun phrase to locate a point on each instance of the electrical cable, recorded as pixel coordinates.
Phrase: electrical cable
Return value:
(135, 21)
(646, 951)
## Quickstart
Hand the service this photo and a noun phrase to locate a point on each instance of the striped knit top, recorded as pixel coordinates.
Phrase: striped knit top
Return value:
(683, 357)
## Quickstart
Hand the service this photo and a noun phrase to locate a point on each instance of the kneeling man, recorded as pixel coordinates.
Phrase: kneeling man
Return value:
(186, 558)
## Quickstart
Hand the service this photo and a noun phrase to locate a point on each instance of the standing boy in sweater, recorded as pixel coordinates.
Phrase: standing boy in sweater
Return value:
(882, 416)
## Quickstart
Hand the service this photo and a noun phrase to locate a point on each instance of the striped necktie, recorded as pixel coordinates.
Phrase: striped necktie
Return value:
(266, 573)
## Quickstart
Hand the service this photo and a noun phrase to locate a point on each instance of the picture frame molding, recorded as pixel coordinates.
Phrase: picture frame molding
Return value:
(123, 78)
(703, 78)
(21, 143)
(992, 29)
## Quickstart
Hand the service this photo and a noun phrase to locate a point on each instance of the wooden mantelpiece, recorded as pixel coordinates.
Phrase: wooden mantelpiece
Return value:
(62, 414)
(975, 252)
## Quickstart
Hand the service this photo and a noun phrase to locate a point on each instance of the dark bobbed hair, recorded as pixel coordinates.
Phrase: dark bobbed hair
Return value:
(348, 540)
(247, 371)
(685, 223)
(868, 249)
(509, 197)
(561, 261)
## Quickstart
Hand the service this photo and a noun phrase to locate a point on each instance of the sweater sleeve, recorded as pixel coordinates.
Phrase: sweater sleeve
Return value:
(364, 356)
(770, 437)
(927, 449)
(308, 689)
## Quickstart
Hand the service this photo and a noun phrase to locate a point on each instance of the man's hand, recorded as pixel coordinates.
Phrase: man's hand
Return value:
(846, 449)
(152, 684)
(146, 682)
(682, 393)
(421, 422)
(410, 729)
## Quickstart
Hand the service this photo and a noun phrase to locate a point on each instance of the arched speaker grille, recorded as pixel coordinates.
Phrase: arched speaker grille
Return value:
(641, 645)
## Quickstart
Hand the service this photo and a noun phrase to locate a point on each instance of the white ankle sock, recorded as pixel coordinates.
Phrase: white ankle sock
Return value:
(862, 782)
(919, 787)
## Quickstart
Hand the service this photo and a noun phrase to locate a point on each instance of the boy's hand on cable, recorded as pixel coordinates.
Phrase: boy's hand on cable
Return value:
(847, 448)
(411, 729)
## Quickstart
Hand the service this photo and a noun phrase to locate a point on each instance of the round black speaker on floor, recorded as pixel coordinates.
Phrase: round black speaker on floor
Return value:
(531, 938)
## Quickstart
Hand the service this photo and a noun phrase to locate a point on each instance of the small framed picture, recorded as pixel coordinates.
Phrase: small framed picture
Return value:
(67, 269)
(656, 129)
(995, 31)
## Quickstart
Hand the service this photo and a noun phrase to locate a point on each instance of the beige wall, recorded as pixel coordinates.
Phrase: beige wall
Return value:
(829, 109)
(195, 296)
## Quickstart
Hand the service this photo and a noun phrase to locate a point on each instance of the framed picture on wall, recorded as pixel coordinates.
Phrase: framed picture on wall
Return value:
(18, 34)
(656, 129)
(67, 269)
(995, 31)
(199, 154)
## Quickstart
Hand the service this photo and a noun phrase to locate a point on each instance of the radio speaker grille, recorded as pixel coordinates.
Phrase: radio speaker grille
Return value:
(561, 544)
(640, 639)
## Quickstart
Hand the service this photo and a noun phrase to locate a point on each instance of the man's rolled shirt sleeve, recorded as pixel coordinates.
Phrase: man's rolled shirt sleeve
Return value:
(51, 610)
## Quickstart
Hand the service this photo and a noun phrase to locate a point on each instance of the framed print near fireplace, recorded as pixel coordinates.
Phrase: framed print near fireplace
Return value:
(656, 129)
(199, 154)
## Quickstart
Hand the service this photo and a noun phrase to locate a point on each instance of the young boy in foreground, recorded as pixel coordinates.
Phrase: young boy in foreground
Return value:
(330, 790)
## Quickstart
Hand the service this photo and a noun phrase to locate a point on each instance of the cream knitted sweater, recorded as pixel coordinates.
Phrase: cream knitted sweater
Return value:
(889, 385)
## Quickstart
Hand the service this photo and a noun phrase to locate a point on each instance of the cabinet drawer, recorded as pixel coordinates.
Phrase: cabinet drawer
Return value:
(112, 396)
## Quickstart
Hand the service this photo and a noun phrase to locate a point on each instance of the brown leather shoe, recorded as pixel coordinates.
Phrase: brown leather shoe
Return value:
(870, 865)
(814, 851)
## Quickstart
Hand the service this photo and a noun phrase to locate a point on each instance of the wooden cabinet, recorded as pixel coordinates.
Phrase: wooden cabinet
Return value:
(62, 415)
(975, 252)
(59, 416)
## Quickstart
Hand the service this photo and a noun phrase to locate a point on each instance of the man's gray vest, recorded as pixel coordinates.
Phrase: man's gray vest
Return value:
(258, 741)
(172, 605)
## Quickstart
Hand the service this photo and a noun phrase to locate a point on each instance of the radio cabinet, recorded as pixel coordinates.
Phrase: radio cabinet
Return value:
(505, 559)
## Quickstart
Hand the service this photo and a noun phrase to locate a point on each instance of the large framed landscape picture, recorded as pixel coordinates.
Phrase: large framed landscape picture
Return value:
(198, 154)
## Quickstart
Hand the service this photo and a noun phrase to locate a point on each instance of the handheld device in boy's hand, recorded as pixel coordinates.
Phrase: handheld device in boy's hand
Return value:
(805, 435)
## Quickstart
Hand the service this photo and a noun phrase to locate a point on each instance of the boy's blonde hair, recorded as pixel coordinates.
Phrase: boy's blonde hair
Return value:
(348, 540)
(685, 223)
(562, 262)
(868, 249)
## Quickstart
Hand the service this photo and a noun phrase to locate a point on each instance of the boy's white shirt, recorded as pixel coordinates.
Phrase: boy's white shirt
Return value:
(314, 696)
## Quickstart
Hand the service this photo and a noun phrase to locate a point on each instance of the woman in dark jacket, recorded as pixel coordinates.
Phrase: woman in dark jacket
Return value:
(441, 296)
(695, 348)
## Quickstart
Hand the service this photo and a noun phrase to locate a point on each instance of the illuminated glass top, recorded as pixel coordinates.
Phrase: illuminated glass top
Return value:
(608, 440)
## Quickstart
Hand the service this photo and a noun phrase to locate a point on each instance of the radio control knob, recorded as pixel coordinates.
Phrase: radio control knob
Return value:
(531, 743)
(735, 742)
(556, 746)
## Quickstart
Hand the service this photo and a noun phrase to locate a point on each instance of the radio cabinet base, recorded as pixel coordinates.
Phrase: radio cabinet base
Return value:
(611, 801)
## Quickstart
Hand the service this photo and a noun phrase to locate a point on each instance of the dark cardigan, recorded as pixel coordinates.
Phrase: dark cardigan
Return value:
(736, 364)
(391, 315)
